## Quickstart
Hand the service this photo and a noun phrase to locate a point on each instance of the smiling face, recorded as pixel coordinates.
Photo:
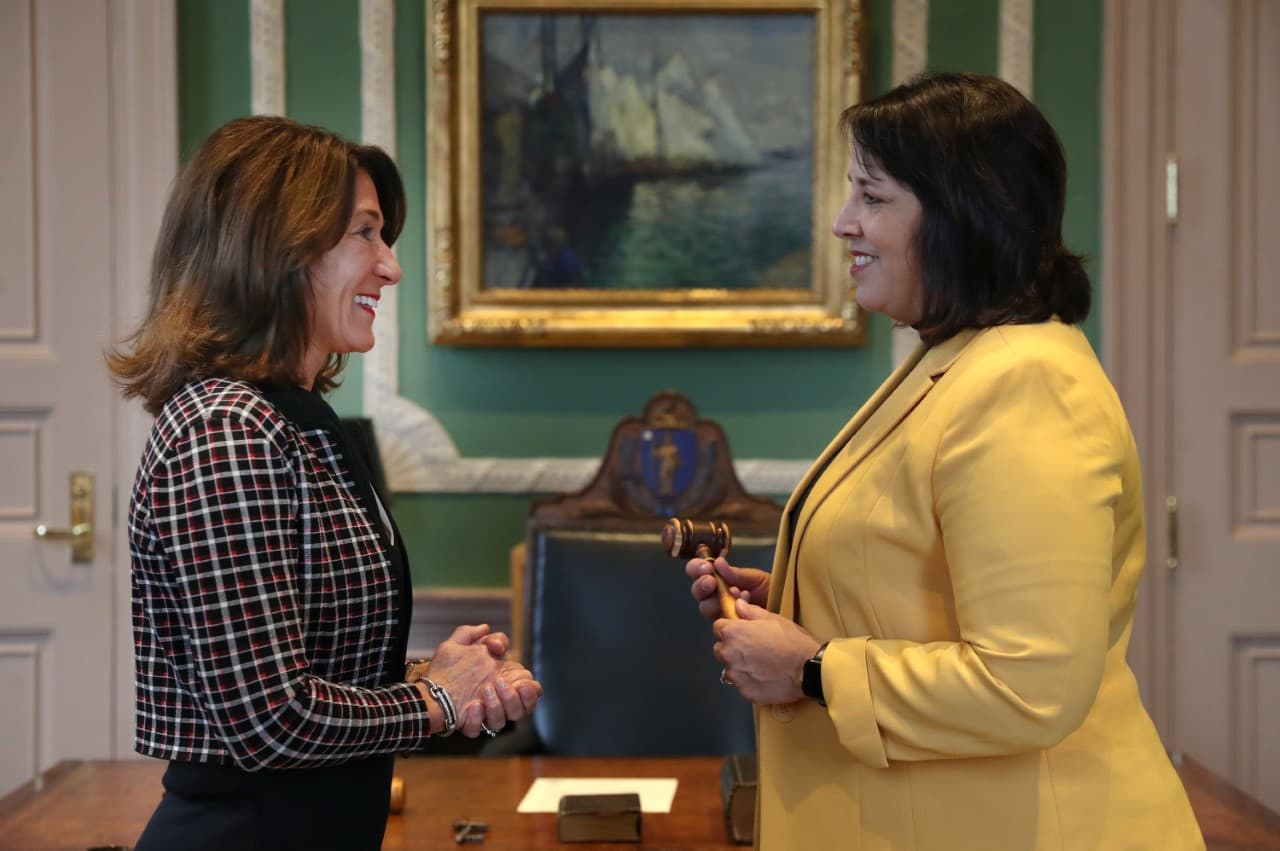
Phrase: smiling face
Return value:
(878, 223)
(347, 282)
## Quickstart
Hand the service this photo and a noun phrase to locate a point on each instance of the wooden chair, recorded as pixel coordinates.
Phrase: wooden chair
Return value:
(604, 618)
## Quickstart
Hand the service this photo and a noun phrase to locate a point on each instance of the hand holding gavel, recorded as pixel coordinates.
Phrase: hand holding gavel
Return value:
(709, 539)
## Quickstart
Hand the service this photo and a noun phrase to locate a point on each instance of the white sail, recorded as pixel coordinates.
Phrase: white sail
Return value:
(683, 131)
(729, 139)
(623, 125)
(678, 124)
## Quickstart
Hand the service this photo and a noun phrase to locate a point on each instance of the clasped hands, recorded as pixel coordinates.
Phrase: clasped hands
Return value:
(487, 688)
(762, 652)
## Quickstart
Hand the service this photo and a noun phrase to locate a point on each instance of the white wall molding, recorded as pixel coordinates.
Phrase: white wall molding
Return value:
(438, 611)
(266, 56)
(1017, 39)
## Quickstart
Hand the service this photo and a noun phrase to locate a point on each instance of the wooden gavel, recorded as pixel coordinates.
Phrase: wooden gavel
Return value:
(709, 539)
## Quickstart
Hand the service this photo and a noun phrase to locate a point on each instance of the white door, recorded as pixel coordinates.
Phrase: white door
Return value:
(79, 110)
(1225, 349)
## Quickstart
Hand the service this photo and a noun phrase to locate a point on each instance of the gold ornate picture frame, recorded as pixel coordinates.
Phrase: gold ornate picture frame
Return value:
(580, 161)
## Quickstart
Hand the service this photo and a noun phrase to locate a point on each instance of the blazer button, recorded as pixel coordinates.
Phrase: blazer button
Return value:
(784, 712)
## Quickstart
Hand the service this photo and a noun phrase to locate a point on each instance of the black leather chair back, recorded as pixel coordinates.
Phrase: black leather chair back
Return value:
(623, 656)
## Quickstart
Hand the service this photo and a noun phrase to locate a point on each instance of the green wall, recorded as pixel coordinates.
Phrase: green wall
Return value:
(773, 403)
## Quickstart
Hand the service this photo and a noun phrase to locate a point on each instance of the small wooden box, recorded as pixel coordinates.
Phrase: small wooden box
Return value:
(599, 818)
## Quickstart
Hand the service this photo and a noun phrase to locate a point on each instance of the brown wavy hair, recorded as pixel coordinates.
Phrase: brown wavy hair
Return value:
(230, 294)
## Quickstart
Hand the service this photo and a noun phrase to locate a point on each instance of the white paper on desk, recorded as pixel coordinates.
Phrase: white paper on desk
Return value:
(656, 793)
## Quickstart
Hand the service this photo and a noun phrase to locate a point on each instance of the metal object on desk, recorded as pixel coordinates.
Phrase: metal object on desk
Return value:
(466, 830)
(397, 794)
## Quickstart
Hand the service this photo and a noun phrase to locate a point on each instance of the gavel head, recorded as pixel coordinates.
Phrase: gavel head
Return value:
(683, 538)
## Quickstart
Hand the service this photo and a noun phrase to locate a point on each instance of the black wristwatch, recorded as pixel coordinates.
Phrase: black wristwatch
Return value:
(811, 677)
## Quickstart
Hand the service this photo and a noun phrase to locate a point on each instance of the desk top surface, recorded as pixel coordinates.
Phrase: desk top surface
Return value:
(104, 803)
(101, 803)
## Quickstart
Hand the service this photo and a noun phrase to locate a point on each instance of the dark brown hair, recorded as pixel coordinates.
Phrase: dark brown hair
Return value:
(990, 175)
(260, 200)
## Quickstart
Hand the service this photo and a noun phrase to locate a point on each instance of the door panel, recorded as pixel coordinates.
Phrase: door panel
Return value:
(56, 307)
(1225, 466)
(17, 290)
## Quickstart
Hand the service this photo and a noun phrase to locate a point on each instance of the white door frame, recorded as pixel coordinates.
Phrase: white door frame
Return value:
(144, 157)
(1137, 317)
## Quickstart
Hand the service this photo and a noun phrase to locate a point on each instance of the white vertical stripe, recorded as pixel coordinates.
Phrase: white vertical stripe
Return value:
(378, 74)
(266, 56)
(1017, 33)
(378, 127)
(910, 57)
(410, 439)
(910, 38)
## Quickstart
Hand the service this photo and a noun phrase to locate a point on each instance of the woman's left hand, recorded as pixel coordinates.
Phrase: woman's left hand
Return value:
(763, 654)
(509, 696)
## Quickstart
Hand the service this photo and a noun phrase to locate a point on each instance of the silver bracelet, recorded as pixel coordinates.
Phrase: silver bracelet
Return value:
(446, 705)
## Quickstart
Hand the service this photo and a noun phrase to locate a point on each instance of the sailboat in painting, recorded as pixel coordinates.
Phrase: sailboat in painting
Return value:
(567, 149)
(678, 126)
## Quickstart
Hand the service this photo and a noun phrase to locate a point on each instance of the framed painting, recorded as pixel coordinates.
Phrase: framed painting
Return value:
(639, 172)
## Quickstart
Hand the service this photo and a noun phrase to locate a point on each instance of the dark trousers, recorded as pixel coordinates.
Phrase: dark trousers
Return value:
(212, 808)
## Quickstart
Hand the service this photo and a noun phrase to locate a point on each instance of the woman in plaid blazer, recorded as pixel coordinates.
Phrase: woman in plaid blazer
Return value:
(938, 657)
(271, 589)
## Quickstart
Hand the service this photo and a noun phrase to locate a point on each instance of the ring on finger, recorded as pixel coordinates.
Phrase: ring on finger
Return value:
(724, 679)
(485, 728)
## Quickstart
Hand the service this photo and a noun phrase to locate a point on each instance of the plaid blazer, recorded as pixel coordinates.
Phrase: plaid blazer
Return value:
(269, 622)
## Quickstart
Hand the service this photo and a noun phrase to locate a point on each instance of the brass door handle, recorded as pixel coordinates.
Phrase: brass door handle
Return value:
(81, 532)
(54, 534)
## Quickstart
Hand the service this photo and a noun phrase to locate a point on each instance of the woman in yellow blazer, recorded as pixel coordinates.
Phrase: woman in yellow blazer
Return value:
(938, 658)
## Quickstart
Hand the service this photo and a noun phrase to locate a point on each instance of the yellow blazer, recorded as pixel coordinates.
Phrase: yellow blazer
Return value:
(971, 549)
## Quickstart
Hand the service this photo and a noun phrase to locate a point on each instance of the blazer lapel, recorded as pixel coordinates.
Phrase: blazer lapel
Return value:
(875, 420)
(782, 555)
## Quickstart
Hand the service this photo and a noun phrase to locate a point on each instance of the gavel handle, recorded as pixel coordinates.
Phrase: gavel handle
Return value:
(728, 604)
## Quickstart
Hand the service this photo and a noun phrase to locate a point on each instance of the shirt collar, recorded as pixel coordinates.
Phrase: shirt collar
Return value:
(305, 408)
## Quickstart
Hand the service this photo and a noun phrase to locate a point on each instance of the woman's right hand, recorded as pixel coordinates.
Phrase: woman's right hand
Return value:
(748, 583)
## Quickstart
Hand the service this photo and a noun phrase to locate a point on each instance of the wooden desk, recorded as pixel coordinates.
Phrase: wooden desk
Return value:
(87, 804)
